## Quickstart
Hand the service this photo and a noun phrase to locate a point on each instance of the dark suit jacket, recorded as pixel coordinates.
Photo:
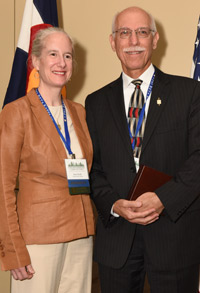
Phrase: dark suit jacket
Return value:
(172, 145)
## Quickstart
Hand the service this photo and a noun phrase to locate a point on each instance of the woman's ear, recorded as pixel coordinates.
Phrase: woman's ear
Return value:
(35, 62)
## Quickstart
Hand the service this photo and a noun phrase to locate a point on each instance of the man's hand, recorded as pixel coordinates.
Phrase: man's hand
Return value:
(134, 212)
(149, 201)
(23, 273)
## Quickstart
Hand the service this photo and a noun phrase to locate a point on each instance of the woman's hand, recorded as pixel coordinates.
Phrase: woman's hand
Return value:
(23, 273)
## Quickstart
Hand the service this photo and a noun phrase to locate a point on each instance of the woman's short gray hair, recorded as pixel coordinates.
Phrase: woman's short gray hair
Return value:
(40, 36)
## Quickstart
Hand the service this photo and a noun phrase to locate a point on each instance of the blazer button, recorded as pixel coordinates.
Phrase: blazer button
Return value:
(3, 254)
(1, 247)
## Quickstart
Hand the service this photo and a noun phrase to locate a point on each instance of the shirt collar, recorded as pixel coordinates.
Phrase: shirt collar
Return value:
(145, 77)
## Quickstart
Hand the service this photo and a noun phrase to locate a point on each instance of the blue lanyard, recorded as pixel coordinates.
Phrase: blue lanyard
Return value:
(67, 141)
(142, 113)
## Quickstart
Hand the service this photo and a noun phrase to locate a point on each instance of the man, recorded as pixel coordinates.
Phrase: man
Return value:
(159, 233)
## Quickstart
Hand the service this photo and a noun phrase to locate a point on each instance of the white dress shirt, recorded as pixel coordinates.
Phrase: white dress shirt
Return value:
(57, 113)
(128, 89)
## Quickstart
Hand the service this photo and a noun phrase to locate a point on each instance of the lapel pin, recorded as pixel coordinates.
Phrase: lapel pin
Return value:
(159, 102)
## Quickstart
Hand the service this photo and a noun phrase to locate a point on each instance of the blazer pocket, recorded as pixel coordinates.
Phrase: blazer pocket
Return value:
(46, 215)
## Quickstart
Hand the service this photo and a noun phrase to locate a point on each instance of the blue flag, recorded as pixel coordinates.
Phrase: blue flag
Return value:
(195, 72)
(35, 12)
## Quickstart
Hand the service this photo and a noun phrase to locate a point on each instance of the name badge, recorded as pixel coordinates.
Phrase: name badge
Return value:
(77, 175)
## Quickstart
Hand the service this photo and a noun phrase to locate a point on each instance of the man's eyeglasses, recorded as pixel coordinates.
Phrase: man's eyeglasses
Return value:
(141, 32)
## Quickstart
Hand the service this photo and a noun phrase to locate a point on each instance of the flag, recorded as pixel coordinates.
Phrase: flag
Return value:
(38, 14)
(195, 72)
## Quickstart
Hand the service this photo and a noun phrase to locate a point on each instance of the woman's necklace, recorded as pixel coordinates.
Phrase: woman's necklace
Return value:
(59, 126)
(56, 112)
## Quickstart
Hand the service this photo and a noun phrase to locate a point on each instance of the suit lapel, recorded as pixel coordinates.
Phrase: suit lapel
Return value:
(49, 129)
(116, 101)
(161, 91)
(78, 127)
(46, 124)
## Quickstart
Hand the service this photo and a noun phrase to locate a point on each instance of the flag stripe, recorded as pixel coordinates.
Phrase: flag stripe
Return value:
(17, 83)
(49, 15)
(30, 17)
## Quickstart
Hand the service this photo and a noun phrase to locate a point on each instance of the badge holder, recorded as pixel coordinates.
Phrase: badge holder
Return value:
(77, 175)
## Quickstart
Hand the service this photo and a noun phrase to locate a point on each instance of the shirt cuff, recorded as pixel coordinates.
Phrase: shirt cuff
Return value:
(113, 214)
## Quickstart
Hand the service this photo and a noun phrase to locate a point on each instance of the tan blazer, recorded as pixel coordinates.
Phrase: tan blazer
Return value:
(44, 211)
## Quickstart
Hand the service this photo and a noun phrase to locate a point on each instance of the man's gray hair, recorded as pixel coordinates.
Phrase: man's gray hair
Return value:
(152, 26)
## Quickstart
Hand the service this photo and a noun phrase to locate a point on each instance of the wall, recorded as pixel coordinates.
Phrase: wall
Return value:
(89, 23)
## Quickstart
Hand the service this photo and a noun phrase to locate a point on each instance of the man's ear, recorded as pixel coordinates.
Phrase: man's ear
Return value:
(155, 40)
(112, 42)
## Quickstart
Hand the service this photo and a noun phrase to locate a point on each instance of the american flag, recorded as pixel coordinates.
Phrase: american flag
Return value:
(195, 72)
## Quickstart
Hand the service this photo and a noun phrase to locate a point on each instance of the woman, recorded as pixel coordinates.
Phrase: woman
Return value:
(45, 232)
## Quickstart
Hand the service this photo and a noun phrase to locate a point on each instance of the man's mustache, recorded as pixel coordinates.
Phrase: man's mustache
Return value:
(134, 49)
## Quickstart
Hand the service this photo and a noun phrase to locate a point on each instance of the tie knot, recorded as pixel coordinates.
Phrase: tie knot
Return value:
(137, 83)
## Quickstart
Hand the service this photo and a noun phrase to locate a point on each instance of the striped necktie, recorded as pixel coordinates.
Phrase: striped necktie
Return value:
(135, 106)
